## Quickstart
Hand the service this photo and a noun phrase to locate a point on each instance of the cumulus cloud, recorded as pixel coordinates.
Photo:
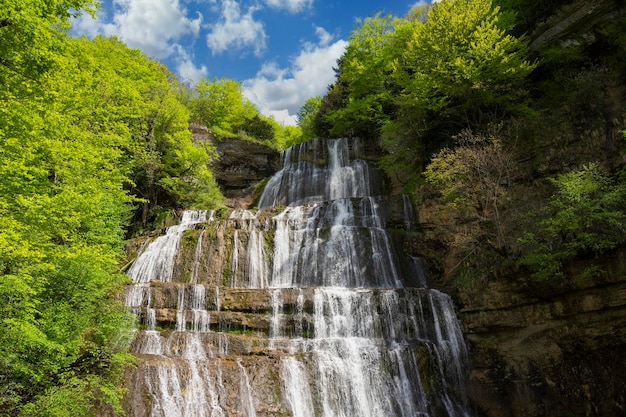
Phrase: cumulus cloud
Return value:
(323, 36)
(292, 6)
(154, 26)
(277, 90)
(236, 30)
(424, 3)
(186, 69)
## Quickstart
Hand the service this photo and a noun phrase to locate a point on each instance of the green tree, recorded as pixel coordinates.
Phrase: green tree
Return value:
(31, 39)
(365, 73)
(306, 116)
(284, 135)
(473, 179)
(585, 217)
(258, 128)
(463, 63)
(74, 146)
(136, 101)
(220, 105)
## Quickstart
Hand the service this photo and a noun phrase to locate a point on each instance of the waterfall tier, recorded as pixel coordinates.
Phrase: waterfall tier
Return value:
(308, 310)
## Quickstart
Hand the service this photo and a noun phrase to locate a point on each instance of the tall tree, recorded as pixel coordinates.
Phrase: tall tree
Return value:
(31, 39)
(220, 105)
(464, 64)
(75, 138)
(306, 116)
(365, 71)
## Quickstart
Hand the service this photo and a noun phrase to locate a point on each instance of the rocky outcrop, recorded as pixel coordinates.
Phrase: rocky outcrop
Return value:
(553, 350)
(574, 24)
(240, 167)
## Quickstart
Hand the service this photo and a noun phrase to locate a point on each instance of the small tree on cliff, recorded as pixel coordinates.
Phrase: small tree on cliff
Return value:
(464, 63)
(473, 179)
(585, 217)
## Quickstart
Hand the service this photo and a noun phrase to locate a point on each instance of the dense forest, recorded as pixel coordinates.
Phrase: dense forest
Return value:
(506, 134)
(505, 126)
(94, 146)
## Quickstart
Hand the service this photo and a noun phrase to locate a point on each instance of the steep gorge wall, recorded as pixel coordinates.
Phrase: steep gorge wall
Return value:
(550, 350)
(535, 349)
(240, 166)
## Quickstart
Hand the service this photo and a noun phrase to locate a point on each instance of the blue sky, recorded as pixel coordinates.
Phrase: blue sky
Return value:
(282, 51)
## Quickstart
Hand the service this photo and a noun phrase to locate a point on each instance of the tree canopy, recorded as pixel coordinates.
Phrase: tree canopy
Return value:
(221, 105)
(92, 133)
(455, 99)
(414, 81)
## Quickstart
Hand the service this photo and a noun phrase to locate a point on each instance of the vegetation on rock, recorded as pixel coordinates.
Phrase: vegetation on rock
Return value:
(486, 134)
(94, 144)
(516, 160)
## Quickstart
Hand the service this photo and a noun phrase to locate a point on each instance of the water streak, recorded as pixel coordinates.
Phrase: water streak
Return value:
(157, 260)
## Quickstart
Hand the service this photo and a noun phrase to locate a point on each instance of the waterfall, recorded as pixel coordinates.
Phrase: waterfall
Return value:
(155, 262)
(308, 311)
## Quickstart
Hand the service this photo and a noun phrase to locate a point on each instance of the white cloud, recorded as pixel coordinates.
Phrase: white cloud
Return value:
(151, 25)
(85, 24)
(186, 69)
(275, 90)
(293, 6)
(424, 3)
(323, 35)
(236, 30)
(283, 117)
(154, 26)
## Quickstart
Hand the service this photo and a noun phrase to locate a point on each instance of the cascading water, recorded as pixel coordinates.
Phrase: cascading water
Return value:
(301, 312)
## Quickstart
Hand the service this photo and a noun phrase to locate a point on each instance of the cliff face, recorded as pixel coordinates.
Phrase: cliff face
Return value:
(553, 350)
(547, 348)
(295, 309)
(574, 23)
(239, 167)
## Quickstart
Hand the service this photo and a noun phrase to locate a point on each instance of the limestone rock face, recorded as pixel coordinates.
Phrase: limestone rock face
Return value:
(240, 167)
(557, 350)
(574, 23)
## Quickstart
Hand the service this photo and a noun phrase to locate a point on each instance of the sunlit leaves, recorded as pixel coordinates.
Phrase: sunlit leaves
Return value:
(220, 105)
(463, 60)
(585, 217)
(365, 75)
(78, 120)
(31, 41)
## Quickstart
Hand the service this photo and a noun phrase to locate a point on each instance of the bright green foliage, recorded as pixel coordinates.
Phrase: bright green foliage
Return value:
(586, 217)
(415, 81)
(284, 135)
(365, 70)
(30, 40)
(134, 101)
(289, 135)
(63, 207)
(220, 105)
(88, 129)
(306, 117)
(464, 63)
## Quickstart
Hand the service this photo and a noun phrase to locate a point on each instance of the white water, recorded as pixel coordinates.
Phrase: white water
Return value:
(353, 343)
(302, 181)
(156, 261)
